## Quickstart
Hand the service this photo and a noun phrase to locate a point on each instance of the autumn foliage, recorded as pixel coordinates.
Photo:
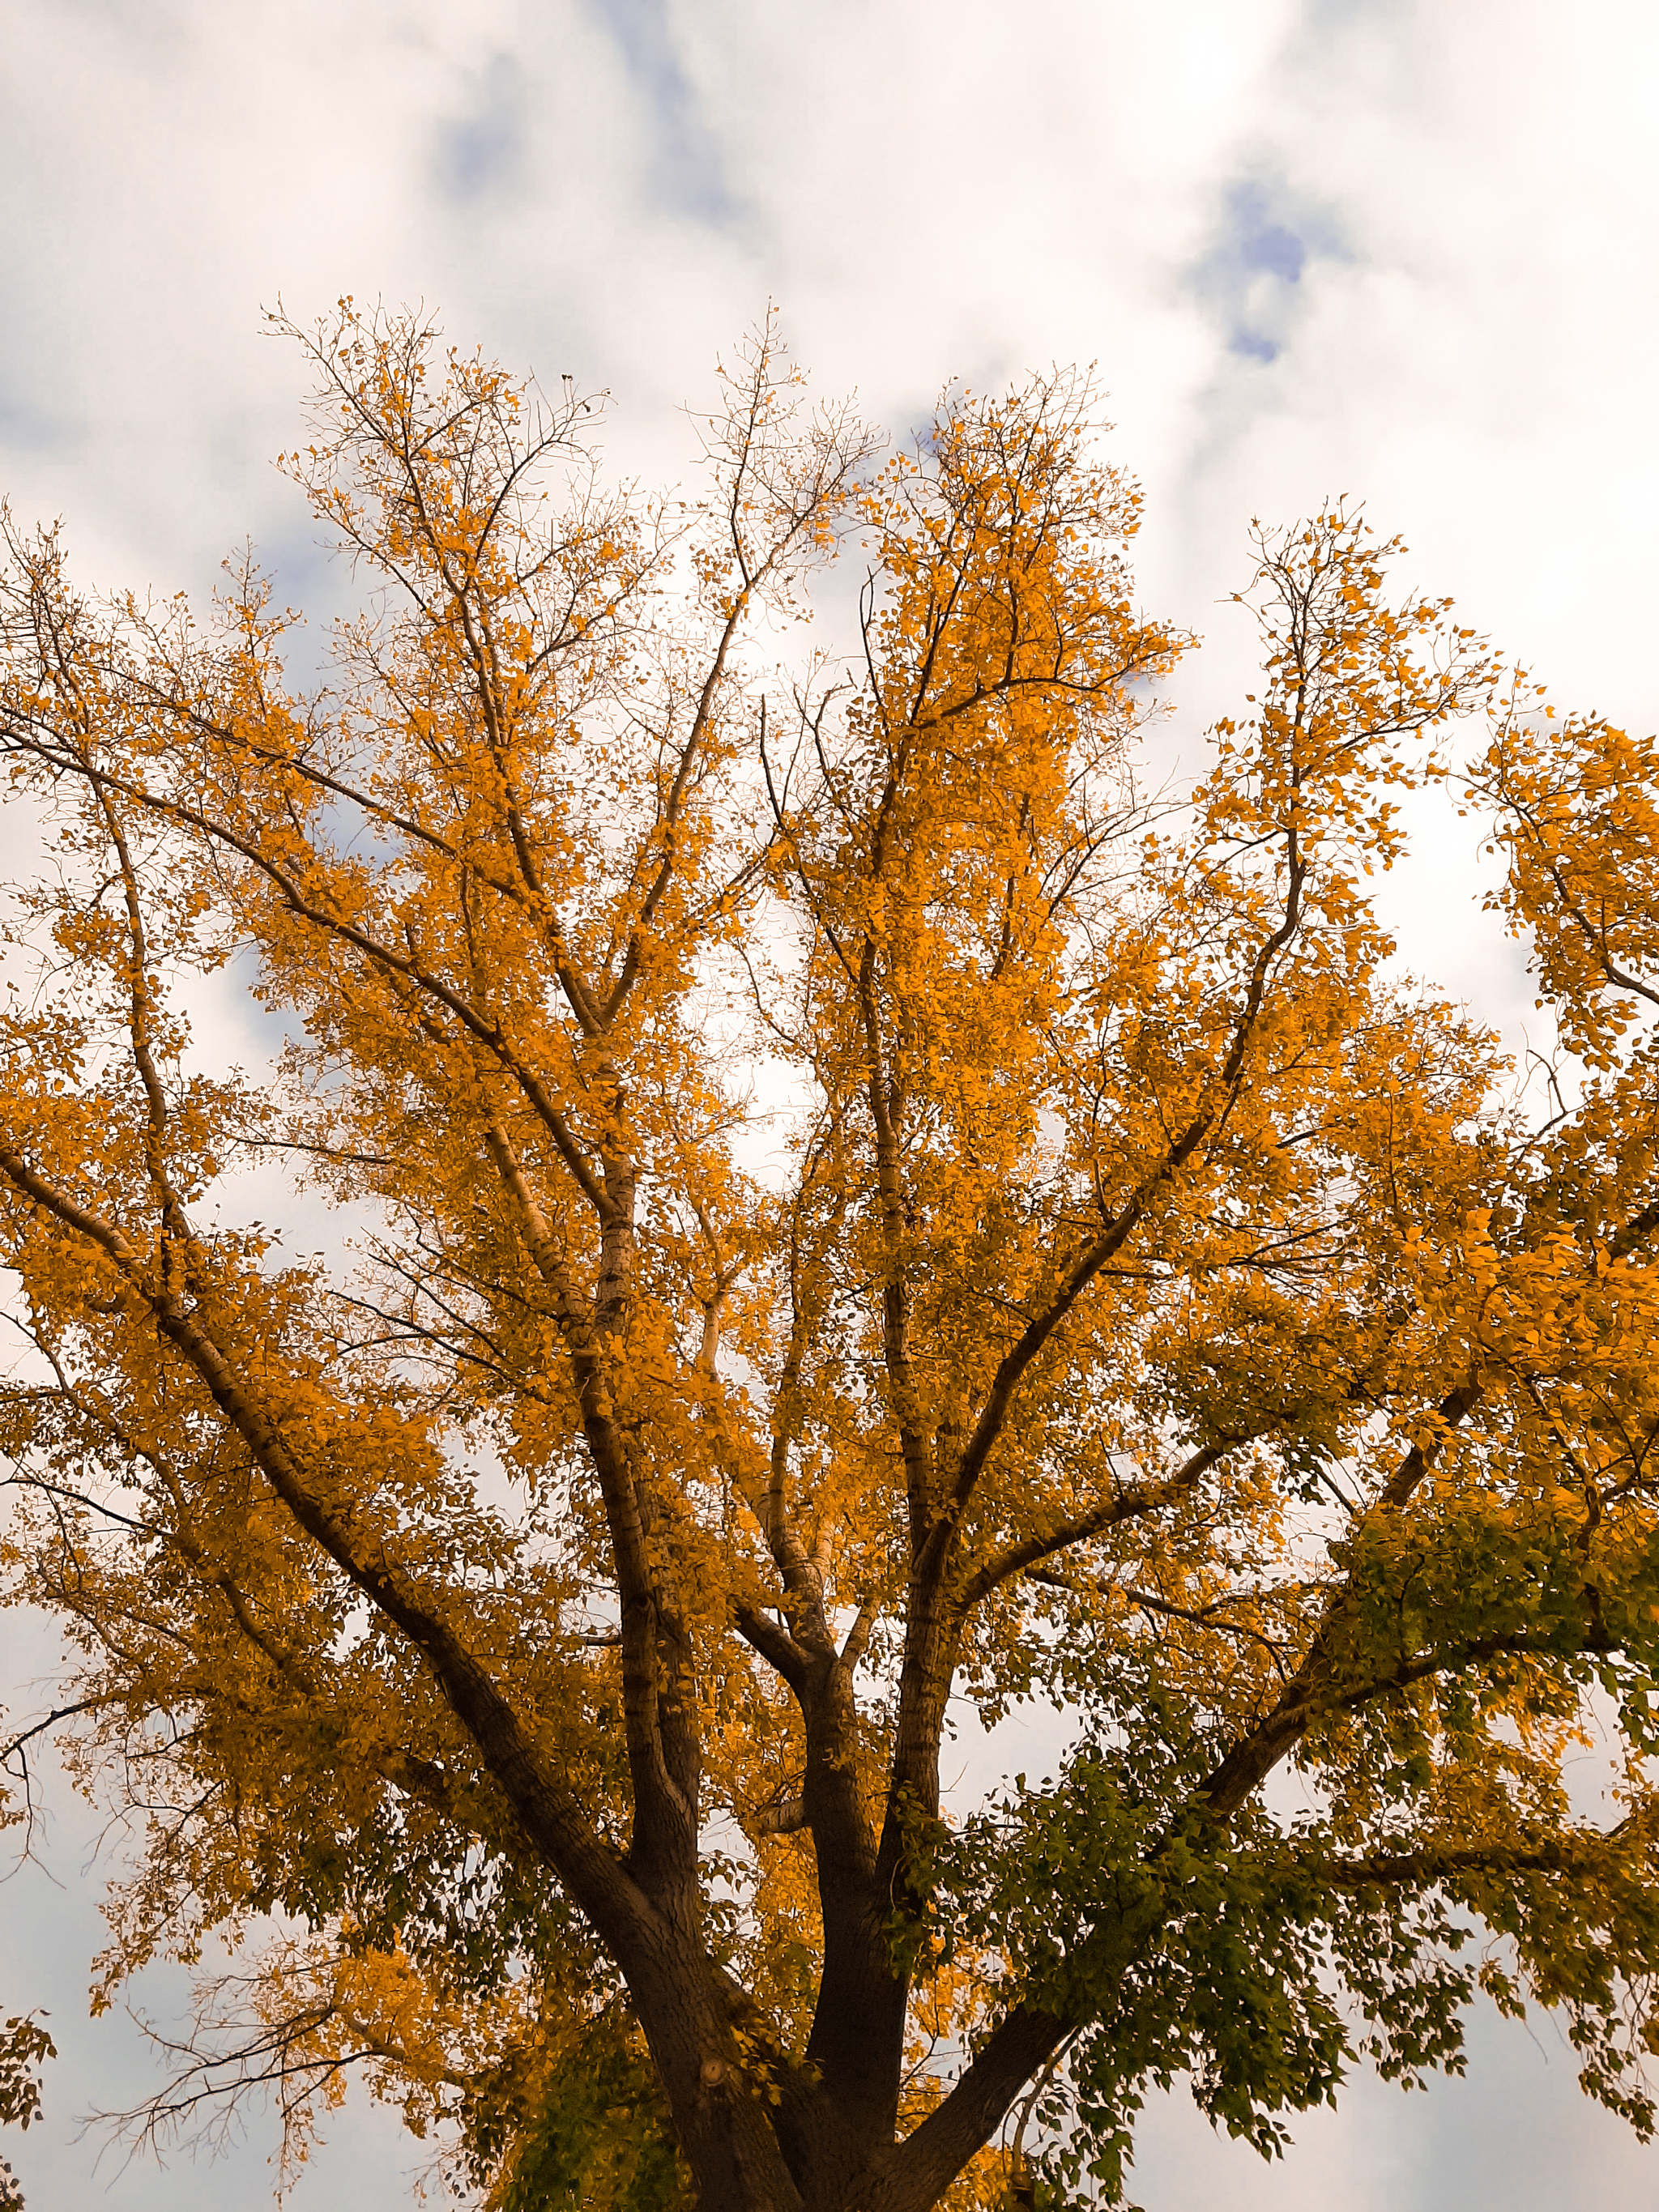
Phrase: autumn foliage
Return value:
(848, 1201)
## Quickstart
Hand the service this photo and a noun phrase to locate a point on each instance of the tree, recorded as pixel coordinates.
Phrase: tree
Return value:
(1130, 1299)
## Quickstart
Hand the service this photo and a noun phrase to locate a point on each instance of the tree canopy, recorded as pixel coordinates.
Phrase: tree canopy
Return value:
(853, 1206)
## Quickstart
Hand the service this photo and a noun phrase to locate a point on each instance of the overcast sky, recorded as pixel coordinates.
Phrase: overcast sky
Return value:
(1402, 252)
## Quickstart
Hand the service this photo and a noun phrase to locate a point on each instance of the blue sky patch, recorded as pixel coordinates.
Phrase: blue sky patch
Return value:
(683, 159)
(1252, 278)
(484, 150)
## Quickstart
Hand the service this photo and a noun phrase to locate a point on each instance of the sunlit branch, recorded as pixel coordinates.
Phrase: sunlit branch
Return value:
(1575, 1851)
(1128, 1505)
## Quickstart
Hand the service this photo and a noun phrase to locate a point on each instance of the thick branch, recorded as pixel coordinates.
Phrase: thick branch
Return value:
(663, 1806)
(1578, 1850)
(1088, 1264)
(1130, 1504)
(405, 969)
(545, 1806)
(775, 1644)
(929, 2160)
(1315, 1690)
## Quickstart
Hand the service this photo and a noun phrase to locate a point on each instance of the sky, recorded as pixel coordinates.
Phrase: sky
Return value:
(1313, 246)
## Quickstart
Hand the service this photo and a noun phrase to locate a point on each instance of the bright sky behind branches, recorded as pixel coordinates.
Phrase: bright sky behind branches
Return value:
(1404, 252)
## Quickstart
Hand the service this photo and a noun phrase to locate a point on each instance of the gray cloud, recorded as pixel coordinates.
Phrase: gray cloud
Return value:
(483, 152)
(1251, 276)
(683, 159)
